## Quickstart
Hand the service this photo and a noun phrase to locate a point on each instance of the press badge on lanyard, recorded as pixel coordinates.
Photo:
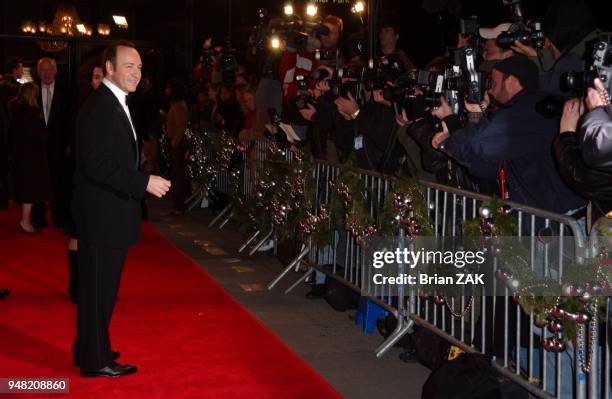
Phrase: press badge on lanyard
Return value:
(359, 142)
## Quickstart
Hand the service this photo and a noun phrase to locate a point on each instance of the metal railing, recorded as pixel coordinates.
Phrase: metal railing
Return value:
(492, 324)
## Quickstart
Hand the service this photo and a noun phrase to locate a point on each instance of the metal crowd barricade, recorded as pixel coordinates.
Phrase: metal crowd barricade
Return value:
(252, 162)
(461, 321)
(249, 165)
(466, 322)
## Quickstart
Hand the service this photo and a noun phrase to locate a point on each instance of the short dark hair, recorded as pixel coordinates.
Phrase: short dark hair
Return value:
(12, 63)
(110, 53)
(390, 24)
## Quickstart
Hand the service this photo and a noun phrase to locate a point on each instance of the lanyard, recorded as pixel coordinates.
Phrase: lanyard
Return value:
(502, 181)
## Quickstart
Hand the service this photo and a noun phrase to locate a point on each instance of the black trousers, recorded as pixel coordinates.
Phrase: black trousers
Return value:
(99, 275)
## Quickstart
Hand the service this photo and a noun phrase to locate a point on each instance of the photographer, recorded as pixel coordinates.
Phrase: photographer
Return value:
(491, 50)
(301, 61)
(514, 142)
(388, 36)
(324, 120)
(370, 130)
(596, 129)
(417, 128)
(591, 183)
(569, 26)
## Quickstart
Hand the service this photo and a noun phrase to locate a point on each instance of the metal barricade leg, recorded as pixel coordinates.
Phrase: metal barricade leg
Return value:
(220, 215)
(246, 244)
(308, 273)
(403, 328)
(291, 265)
(262, 242)
(227, 219)
(195, 198)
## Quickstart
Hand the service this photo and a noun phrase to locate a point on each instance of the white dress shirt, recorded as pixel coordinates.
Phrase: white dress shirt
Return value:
(47, 98)
(121, 96)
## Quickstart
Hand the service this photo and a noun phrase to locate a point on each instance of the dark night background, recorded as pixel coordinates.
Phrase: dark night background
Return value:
(174, 42)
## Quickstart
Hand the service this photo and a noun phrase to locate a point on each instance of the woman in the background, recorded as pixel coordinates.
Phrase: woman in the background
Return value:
(202, 110)
(31, 181)
(96, 77)
(176, 124)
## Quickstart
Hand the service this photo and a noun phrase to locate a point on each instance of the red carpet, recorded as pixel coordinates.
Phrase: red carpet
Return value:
(187, 336)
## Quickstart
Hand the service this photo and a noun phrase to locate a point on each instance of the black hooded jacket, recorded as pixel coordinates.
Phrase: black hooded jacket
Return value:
(592, 184)
(570, 26)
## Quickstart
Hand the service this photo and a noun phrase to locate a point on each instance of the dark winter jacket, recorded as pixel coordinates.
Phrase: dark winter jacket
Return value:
(520, 140)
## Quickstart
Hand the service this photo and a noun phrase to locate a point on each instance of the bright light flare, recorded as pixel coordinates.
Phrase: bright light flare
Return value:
(311, 10)
(358, 7)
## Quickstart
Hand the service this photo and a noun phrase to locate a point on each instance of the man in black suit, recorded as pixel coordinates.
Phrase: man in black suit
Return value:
(106, 206)
(55, 103)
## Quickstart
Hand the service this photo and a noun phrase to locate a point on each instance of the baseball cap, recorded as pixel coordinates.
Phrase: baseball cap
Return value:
(522, 68)
(492, 33)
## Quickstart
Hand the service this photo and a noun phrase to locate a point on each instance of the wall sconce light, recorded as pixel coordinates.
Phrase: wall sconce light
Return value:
(120, 21)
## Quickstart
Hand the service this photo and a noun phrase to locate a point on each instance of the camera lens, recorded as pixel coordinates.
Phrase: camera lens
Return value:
(570, 80)
(505, 40)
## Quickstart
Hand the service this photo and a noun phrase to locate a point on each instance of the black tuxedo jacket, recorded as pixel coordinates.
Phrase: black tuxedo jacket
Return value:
(58, 124)
(108, 184)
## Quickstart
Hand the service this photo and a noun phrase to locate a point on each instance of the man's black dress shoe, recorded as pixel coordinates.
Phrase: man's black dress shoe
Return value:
(115, 370)
(114, 355)
(4, 292)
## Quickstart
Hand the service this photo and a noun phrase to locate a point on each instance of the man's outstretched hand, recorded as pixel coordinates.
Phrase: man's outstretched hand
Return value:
(158, 186)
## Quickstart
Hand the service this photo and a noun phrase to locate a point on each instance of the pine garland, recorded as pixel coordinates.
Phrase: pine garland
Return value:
(562, 314)
(405, 206)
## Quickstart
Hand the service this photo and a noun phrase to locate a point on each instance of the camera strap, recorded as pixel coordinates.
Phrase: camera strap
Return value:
(502, 181)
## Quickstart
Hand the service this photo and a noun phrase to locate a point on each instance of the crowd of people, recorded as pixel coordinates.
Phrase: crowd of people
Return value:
(506, 146)
(502, 146)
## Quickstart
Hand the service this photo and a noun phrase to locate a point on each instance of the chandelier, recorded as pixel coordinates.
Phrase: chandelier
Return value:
(66, 23)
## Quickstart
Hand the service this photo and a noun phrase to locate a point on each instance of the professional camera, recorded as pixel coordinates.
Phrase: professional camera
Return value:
(401, 92)
(404, 89)
(304, 96)
(382, 70)
(532, 36)
(346, 81)
(471, 82)
(343, 89)
(320, 74)
(528, 34)
(550, 106)
(297, 32)
(328, 58)
(578, 82)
